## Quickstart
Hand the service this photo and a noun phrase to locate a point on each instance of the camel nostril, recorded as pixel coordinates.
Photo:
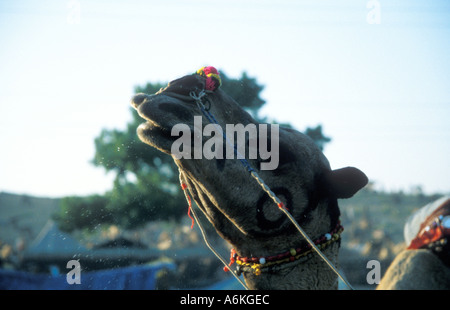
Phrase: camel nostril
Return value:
(138, 99)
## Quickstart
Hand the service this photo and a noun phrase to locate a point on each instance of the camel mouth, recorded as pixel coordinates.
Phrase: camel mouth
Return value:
(161, 113)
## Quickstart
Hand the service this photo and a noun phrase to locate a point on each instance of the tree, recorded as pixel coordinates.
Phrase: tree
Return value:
(146, 185)
(82, 212)
(317, 135)
(246, 91)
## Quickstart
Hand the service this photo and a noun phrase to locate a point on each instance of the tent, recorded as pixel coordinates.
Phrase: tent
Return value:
(142, 277)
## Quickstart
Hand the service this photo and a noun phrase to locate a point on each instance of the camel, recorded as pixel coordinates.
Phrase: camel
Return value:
(425, 263)
(267, 249)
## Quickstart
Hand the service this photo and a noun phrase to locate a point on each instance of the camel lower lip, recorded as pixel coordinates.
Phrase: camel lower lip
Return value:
(155, 136)
(152, 129)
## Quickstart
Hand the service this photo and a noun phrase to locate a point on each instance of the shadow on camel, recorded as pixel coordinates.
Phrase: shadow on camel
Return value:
(267, 248)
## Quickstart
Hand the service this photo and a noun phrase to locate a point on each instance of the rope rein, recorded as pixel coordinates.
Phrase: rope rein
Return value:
(198, 98)
(191, 210)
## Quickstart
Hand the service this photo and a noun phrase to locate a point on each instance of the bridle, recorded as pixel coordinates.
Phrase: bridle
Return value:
(257, 265)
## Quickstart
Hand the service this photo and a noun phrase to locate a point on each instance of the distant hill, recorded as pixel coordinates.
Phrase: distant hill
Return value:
(382, 211)
(23, 216)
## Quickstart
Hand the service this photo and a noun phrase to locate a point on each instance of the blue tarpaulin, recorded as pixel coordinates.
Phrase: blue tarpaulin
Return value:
(141, 277)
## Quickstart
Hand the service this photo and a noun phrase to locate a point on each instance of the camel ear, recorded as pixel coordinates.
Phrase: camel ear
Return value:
(344, 182)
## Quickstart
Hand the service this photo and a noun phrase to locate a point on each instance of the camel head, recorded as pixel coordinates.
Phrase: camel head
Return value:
(289, 162)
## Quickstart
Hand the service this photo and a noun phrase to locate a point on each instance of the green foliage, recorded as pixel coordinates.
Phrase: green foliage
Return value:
(146, 186)
(318, 137)
(246, 91)
(82, 212)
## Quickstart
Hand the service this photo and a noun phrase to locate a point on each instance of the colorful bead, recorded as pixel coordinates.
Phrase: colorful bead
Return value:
(257, 263)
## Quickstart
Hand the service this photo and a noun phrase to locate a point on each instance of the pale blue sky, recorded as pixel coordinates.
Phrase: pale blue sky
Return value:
(381, 91)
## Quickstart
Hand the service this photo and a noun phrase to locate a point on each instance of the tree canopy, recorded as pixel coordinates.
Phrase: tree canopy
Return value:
(146, 185)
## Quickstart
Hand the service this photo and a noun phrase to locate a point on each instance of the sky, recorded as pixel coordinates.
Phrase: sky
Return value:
(374, 74)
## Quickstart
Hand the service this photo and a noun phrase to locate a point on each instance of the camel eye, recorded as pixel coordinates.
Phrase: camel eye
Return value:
(269, 219)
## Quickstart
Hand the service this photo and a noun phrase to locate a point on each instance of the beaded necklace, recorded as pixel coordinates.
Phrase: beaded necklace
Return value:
(258, 264)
